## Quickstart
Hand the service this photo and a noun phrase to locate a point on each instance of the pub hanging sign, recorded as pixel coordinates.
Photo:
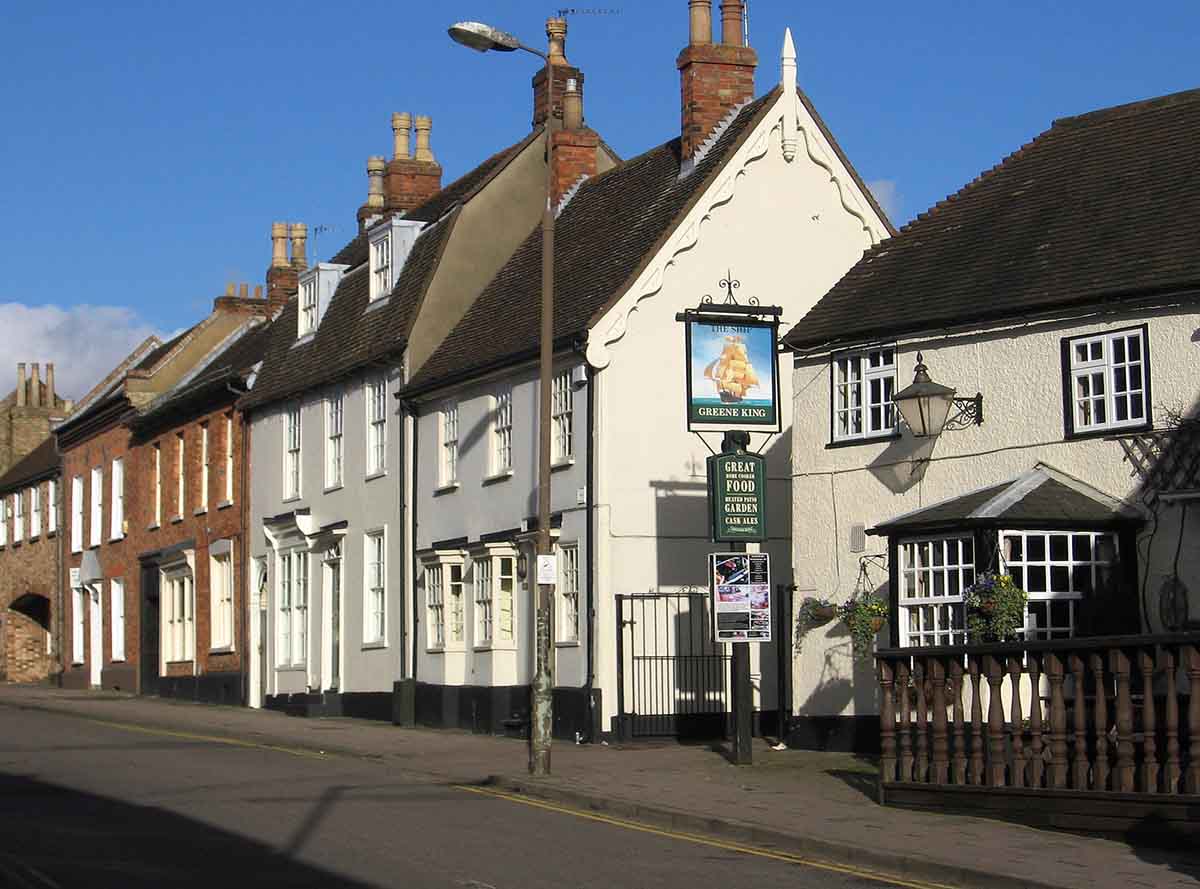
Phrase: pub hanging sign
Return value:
(737, 497)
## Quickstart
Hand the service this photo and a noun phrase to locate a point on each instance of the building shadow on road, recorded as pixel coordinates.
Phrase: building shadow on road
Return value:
(54, 835)
(1157, 841)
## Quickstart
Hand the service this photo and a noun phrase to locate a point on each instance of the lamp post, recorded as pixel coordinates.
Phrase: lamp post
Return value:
(481, 37)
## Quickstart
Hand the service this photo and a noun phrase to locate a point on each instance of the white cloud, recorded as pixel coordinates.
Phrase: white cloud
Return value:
(83, 342)
(886, 193)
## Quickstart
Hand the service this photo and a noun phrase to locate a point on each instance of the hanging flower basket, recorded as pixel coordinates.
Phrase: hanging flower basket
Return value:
(995, 608)
(815, 612)
(864, 617)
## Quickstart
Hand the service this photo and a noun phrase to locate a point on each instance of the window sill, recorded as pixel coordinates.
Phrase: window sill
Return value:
(562, 464)
(569, 643)
(866, 439)
(153, 527)
(445, 489)
(178, 663)
(117, 538)
(294, 498)
(292, 668)
(382, 473)
(51, 534)
(377, 302)
(225, 504)
(224, 649)
(117, 660)
(497, 477)
(497, 646)
(33, 538)
(305, 338)
(331, 488)
(74, 551)
(175, 520)
(374, 646)
(200, 510)
(1109, 432)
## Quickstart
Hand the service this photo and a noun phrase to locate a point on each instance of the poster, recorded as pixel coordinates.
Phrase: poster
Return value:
(741, 587)
(733, 380)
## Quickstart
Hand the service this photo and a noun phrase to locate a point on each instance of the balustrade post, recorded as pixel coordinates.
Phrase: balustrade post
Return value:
(1192, 781)
(1082, 764)
(906, 758)
(919, 678)
(1100, 725)
(976, 722)
(1173, 770)
(1018, 722)
(1118, 662)
(887, 722)
(941, 748)
(1149, 776)
(1056, 779)
(996, 764)
(960, 752)
(1037, 746)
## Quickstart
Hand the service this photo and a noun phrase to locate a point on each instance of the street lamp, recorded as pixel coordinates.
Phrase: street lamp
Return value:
(925, 405)
(481, 37)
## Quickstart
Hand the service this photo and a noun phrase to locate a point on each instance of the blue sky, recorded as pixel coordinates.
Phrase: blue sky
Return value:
(148, 146)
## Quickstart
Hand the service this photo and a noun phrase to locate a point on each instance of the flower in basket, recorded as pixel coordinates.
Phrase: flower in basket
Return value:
(864, 617)
(995, 608)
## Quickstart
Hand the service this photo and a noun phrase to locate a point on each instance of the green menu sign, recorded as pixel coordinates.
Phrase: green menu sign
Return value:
(737, 496)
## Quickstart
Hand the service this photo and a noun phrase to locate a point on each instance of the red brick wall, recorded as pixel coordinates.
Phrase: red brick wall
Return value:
(409, 183)
(714, 78)
(26, 567)
(574, 156)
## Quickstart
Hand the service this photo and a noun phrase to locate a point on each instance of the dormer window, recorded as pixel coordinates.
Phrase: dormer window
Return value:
(391, 241)
(317, 286)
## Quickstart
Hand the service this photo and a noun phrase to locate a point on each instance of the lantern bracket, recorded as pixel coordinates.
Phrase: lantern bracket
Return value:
(968, 413)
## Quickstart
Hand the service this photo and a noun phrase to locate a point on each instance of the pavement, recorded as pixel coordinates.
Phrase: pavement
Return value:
(817, 805)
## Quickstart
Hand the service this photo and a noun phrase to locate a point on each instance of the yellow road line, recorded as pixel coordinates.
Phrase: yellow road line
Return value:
(863, 873)
(192, 736)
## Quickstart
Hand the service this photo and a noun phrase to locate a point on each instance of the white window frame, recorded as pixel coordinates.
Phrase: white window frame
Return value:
(229, 458)
(205, 456)
(1099, 367)
(292, 443)
(116, 617)
(375, 585)
(292, 607)
(78, 623)
(447, 420)
(77, 514)
(117, 518)
(562, 419)
(1050, 574)
(35, 511)
(178, 615)
(568, 593)
(932, 573)
(52, 506)
(494, 582)
(435, 608)
(96, 522)
(335, 441)
(381, 267)
(501, 432)
(18, 505)
(158, 491)
(375, 396)
(220, 586)
(863, 386)
(309, 306)
(450, 566)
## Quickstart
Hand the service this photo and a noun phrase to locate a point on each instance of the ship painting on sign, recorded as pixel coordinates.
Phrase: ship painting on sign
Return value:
(732, 372)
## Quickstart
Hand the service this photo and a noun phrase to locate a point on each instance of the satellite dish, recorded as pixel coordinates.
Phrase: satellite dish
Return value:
(1173, 604)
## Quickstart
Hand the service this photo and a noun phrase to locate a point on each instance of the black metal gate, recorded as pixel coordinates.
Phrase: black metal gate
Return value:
(672, 677)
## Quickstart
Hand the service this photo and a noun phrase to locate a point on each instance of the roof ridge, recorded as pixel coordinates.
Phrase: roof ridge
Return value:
(1127, 109)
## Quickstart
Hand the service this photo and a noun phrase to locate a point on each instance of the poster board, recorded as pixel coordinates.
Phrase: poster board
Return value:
(741, 596)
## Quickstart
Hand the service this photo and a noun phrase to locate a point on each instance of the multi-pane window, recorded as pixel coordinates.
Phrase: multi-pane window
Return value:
(118, 499)
(381, 267)
(77, 514)
(1057, 569)
(448, 438)
(454, 593)
(863, 386)
(483, 601)
(180, 477)
(562, 422)
(376, 426)
(933, 574)
(18, 504)
(435, 604)
(204, 469)
(568, 590)
(116, 606)
(291, 468)
(179, 617)
(308, 306)
(1108, 378)
(374, 612)
(157, 485)
(228, 458)
(52, 506)
(221, 598)
(502, 421)
(334, 406)
(97, 523)
(79, 601)
(35, 511)
(284, 616)
(293, 608)
(506, 584)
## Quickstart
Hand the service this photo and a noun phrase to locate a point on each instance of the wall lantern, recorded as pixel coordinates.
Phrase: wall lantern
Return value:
(926, 405)
(522, 566)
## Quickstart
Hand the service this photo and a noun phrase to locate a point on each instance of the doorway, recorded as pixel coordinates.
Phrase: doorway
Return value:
(96, 634)
(333, 623)
(148, 665)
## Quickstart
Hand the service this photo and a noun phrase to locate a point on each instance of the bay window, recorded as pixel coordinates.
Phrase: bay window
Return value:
(292, 612)
(494, 570)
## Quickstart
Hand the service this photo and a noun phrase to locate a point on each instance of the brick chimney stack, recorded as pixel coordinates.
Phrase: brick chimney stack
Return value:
(556, 35)
(21, 384)
(411, 181)
(714, 77)
(283, 281)
(51, 395)
(575, 146)
(35, 385)
(374, 205)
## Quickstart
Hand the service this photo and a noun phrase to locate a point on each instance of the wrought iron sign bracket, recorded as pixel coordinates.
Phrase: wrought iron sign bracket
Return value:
(968, 413)
(711, 310)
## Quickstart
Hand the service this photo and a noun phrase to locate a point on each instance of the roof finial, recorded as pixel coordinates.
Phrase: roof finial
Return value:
(787, 83)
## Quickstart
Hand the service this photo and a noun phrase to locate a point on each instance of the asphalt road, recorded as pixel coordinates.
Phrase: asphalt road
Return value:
(89, 805)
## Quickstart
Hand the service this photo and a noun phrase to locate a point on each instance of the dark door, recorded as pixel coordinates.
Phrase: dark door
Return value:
(149, 630)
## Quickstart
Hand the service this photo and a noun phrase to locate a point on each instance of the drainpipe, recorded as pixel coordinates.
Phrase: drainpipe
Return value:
(413, 542)
(591, 559)
(241, 565)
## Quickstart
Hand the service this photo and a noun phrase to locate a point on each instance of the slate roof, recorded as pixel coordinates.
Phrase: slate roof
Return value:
(42, 461)
(612, 226)
(1099, 207)
(1041, 497)
(162, 351)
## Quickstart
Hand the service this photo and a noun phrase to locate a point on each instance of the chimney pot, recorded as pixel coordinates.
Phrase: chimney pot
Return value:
(731, 22)
(375, 168)
(299, 235)
(258, 291)
(423, 126)
(243, 290)
(229, 289)
(35, 385)
(51, 397)
(572, 106)
(556, 34)
(21, 384)
(401, 125)
(701, 21)
(279, 245)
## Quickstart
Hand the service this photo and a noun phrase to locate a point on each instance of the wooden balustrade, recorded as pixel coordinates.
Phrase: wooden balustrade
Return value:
(1098, 714)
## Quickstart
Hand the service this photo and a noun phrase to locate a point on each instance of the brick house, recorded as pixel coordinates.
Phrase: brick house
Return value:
(29, 564)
